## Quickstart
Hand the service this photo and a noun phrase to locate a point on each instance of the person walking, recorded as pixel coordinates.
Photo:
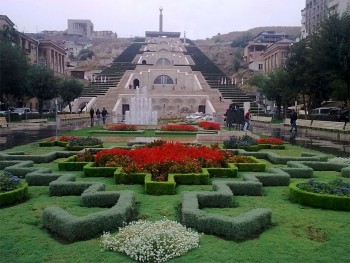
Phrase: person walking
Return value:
(92, 112)
(246, 120)
(293, 120)
(104, 114)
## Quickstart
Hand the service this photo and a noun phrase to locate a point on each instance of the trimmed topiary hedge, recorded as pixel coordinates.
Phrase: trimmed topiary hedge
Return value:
(71, 165)
(256, 166)
(16, 195)
(160, 188)
(90, 170)
(230, 172)
(274, 177)
(324, 201)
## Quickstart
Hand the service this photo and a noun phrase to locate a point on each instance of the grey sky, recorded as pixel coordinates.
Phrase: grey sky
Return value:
(199, 18)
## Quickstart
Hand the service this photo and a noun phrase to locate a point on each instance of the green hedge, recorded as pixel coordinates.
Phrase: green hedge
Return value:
(121, 177)
(257, 166)
(273, 177)
(66, 185)
(44, 158)
(230, 172)
(73, 228)
(16, 195)
(90, 170)
(160, 188)
(236, 228)
(71, 165)
(117, 132)
(323, 201)
(79, 148)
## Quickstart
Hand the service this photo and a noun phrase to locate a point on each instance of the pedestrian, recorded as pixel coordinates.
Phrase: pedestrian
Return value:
(98, 116)
(220, 99)
(293, 120)
(104, 114)
(246, 120)
(92, 112)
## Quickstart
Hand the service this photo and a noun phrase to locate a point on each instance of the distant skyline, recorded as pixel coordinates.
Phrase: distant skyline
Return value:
(200, 19)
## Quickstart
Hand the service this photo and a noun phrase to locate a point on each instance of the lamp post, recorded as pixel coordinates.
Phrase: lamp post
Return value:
(348, 83)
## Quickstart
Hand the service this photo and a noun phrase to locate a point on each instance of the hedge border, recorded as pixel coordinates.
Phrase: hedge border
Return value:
(16, 195)
(236, 228)
(70, 164)
(324, 201)
(256, 165)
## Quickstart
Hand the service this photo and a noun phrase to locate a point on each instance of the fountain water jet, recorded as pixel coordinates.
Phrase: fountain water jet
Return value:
(141, 109)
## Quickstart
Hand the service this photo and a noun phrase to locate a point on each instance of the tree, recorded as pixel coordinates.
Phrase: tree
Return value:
(305, 77)
(9, 35)
(84, 54)
(42, 85)
(331, 52)
(13, 72)
(237, 59)
(69, 89)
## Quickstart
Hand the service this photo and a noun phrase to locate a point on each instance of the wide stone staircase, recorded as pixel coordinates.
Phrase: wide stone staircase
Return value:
(216, 78)
(110, 76)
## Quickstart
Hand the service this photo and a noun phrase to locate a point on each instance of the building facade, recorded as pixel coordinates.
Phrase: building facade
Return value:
(81, 27)
(316, 10)
(52, 56)
(276, 55)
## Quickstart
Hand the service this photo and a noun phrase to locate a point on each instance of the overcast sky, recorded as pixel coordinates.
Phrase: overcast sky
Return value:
(199, 18)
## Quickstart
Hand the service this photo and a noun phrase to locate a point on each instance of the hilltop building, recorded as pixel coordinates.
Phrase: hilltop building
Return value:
(80, 27)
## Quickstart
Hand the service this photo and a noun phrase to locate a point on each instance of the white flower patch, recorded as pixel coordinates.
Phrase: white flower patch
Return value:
(340, 160)
(147, 241)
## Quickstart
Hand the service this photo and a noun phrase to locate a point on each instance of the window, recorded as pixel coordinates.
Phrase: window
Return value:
(260, 66)
(163, 79)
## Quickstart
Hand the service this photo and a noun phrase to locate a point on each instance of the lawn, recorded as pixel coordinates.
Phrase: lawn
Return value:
(298, 233)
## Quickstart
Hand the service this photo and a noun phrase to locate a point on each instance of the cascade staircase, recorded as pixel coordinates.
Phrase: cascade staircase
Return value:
(110, 76)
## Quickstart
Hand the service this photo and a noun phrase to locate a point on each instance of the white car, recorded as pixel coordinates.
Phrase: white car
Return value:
(194, 116)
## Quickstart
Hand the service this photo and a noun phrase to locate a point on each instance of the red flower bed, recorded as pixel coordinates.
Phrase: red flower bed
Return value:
(270, 140)
(121, 127)
(178, 127)
(62, 138)
(207, 125)
(160, 160)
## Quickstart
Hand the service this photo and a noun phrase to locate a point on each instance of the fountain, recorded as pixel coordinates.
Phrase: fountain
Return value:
(141, 109)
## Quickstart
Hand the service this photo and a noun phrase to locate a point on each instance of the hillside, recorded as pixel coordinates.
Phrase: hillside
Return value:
(219, 50)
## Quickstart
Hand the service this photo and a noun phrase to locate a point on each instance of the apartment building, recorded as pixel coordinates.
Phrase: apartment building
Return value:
(316, 10)
(275, 55)
(80, 27)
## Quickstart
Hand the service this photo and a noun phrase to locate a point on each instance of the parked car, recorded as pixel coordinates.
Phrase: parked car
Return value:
(21, 111)
(323, 110)
(340, 115)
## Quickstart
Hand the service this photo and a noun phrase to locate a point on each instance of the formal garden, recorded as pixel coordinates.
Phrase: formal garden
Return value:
(83, 197)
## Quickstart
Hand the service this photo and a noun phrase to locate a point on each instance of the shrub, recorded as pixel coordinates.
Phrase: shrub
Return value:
(206, 125)
(178, 127)
(155, 143)
(152, 241)
(240, 159)
(8, 182)
(121, 127)
(237, 142)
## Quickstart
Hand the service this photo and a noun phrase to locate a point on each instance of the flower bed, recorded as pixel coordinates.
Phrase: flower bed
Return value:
(249, 143)
(81, 143)
(61, 141)
(334, 195)
(121, 127)
(12, 189)
(152, 241)
(206, 125)
(178, 127)
(76, 162)
(163, 159)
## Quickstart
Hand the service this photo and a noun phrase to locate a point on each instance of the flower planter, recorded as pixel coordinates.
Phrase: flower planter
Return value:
(16, 195)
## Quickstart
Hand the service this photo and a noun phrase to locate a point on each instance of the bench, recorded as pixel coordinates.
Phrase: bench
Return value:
(3, 122)
(328, 125)
(261, 118)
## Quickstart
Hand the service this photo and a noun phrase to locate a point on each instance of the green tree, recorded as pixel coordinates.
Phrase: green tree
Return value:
(237, 60)
(9, 35)
(69, 89)
(331, 54)
(42, 84)
(13, 72)
(304, 76)
(85, 54)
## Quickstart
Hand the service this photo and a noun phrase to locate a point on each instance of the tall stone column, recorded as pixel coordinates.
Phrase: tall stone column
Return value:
(161, 20)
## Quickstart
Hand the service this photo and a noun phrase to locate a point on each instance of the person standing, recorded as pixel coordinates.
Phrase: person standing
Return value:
(104, 114)
(92, 112)
(98, 116)
(293, 120)
(246, 120)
